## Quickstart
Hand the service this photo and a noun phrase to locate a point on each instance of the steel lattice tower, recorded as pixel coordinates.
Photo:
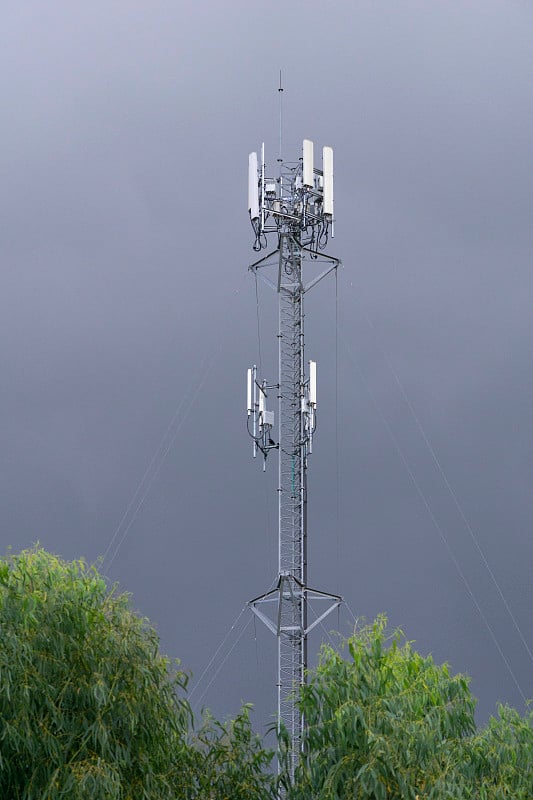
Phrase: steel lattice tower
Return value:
(296, 210)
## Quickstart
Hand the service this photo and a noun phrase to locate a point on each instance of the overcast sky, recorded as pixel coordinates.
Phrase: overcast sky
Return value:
(127, 318)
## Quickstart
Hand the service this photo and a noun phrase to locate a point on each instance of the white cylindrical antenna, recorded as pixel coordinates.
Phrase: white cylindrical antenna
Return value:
(249, 393)
(308, 163)
(280, 92)
(253, 189)
(327, 167)
(263, 186)
(253, 387)
(312, 383)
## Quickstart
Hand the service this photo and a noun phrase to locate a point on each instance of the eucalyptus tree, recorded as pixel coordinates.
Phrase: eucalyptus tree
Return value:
(497, 762)
(387, 723)
(231, 761)
(89, 708)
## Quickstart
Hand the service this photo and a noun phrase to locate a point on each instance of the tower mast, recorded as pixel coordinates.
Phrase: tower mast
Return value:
(294, 212)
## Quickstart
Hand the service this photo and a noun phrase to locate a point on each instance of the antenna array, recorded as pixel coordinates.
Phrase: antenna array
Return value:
(295, 210)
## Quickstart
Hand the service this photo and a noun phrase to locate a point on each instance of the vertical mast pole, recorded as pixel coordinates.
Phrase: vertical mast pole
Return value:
(291, 489)
(297, 209)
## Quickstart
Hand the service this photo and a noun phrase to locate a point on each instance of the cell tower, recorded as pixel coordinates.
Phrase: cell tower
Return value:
(294, 214)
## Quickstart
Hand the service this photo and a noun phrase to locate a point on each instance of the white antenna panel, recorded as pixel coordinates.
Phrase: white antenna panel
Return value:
(253, 189)
(308, 163)
(263, 185)
(249, 392)
(327, 167)
(312, 383)
(261, 401)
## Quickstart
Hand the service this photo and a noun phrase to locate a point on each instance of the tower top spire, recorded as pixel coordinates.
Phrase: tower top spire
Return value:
(280, 93)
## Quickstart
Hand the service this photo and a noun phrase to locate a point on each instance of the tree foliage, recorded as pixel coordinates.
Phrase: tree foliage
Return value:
(90, 709)
(388, 723)
(231, 761)
(88, 706)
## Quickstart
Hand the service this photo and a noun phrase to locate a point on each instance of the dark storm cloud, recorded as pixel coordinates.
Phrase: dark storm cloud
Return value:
(124, 246)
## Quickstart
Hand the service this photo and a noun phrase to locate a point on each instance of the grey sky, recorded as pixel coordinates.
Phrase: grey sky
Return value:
(125, 136)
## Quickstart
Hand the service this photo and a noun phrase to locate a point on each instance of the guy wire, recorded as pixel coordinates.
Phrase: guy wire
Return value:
(449, 487)
(434, 520)
(337, 478)
(162, 449)
(230, 651)
(217, 651)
